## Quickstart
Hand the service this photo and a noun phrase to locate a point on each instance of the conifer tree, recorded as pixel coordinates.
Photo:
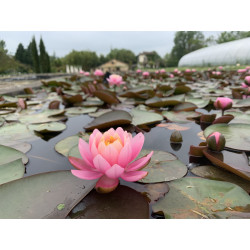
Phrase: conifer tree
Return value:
(43, 57)
(20, 53)
(35, 56)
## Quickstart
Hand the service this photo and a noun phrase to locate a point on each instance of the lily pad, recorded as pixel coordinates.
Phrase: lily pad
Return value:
(110, 119)
(200, 103)
(219, 174)
(107, 96)
(51, 127)
(236, 135)
(38, 196)
(80, 110)
(242, 103)
(236, 163)
(157, 102)
(64, 146)
(180, 117)
(162, 167)
(8, 154)
(99, 112)
(122, 203)
(20, 146)
(11, 171)
(196, 198)
(141, 117)
(185, 106)
(1, 121)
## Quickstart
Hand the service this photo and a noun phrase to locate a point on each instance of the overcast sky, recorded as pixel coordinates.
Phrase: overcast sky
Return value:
(62, 42)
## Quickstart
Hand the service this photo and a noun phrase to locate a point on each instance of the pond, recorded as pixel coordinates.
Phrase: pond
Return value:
(170, 189)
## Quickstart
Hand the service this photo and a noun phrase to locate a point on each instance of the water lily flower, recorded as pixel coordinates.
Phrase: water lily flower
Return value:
(98, 72)
(247, 80)
(241, 70)
(223, 103)
(145, 73)
(216, 141)
(176, 70)
(193, 70)
(187, 70)
(115, 80)
(86, 73)
(162, 71)
(171, 76)
(110, 156)
(247, 67)
(243, 85)
(220, 68)
(157, 72)
(81, 72)
(138, 71)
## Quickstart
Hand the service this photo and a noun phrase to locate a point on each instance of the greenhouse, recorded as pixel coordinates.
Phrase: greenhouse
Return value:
(229, 53)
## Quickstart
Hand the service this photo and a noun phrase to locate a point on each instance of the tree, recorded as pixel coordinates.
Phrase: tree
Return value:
(87, 59)
(35, 56)
(20, 53)
(228, 36)
(102, 59)
(185, 42)
(42, 57)
(123, 55)
(2, 47)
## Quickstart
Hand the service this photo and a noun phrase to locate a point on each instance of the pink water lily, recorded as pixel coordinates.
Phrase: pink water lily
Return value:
(223, 103)
(171, 76)
(241, 70)
(247, 80)
(115, 80)
(162, 71)
(81, 72)
(216, 141)
(110, 156)
(220, 68)
(86, 73)
(138, 71)
(145, 73)
(98, 72)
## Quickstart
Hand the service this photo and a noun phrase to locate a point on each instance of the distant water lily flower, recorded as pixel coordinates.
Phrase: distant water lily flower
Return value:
(110, 156)
(243, 85)
(171, 76)
(247, 80)
(187, 70)
(81, 72)
(162, 71)
(241, 70)
(115, 80)
(145, 73)
(193, 70)
(138, 71)
(216, 141)
(157, 72)
(220, 68)
(86, 73)
(98, 72)
(247, 67)
(223, 103)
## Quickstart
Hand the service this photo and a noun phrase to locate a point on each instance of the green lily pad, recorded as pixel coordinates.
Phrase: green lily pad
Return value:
(200, 103)
(141, 117)
(20, 146)
(99, 113)
(80, 110)
(1, 121)
(180, 117)
(219, 174)
(11, 171)
(64, 146)
(38, 196)
(185, 106)
(162, 167)
(157, 102)
(195, 198)
(236, 135)
(242, 103)
(110, 119)
(51, 127)
(122, 203)
(143, 92)
(239, 117)
(8, 154)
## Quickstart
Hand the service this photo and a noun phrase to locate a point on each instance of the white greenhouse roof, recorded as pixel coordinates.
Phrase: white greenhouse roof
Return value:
(229, 53)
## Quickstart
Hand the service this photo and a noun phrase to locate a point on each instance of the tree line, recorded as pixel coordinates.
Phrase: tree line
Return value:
(36, 59)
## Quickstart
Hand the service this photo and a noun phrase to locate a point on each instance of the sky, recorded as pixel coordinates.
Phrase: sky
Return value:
(63, 42)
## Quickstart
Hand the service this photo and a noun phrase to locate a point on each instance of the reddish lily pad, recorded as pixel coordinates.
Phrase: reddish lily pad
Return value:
(196, 198)
(122, 203)
(107, 96)
(38, 196)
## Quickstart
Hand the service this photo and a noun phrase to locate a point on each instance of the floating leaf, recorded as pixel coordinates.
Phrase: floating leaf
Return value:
(11, 171)
(162, 167)
(141, 117)
(80, 110)
(235, 135)
(200, 103)
(180, 117)
(219, 174)
(196, 198)
(99, 113)
(157, 102)
(185, 106)
(107, 96)
(110, 119)
(122, 203)
(8, 154)
(20, 146)
(140, 92)
(38, 196)
(51, 127)
(181, 90)
(1, 121)
(242, 103)
(172, 126)
(236, 163)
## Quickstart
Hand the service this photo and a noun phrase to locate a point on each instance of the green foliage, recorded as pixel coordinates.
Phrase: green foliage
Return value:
(44, 59)
(102, 59)
(20, 53)
(228, 36)
(2, 47)
(35, 57)
(87, 59)
(123, 55)
(184, 43)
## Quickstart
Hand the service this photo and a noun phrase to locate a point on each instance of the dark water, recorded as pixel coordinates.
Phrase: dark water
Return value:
(44, 158)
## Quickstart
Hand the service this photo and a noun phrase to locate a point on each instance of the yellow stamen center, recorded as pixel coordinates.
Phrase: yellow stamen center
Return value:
(110, 140)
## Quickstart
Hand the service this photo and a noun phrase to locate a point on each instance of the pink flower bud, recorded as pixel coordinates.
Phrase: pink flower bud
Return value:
(216, 141)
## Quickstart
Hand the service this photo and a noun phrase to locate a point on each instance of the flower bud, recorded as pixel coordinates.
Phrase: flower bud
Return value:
(223, 103)
(176, 137)
(216, 141)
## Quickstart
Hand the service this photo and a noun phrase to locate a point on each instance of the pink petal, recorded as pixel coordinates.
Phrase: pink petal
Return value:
(114, 172)
(124, 157)
(80, 164)
(136, 143)
(120, 132)
(106, 185)
(133, 175)
(101, 164)
(94, 150)
(109, 153)
(140, 163)
(86, 175)
(85, 151)
(95, 136)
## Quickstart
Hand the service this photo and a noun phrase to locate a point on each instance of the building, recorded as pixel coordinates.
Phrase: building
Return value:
(113, 66)
(230, 53)
(144, 61)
